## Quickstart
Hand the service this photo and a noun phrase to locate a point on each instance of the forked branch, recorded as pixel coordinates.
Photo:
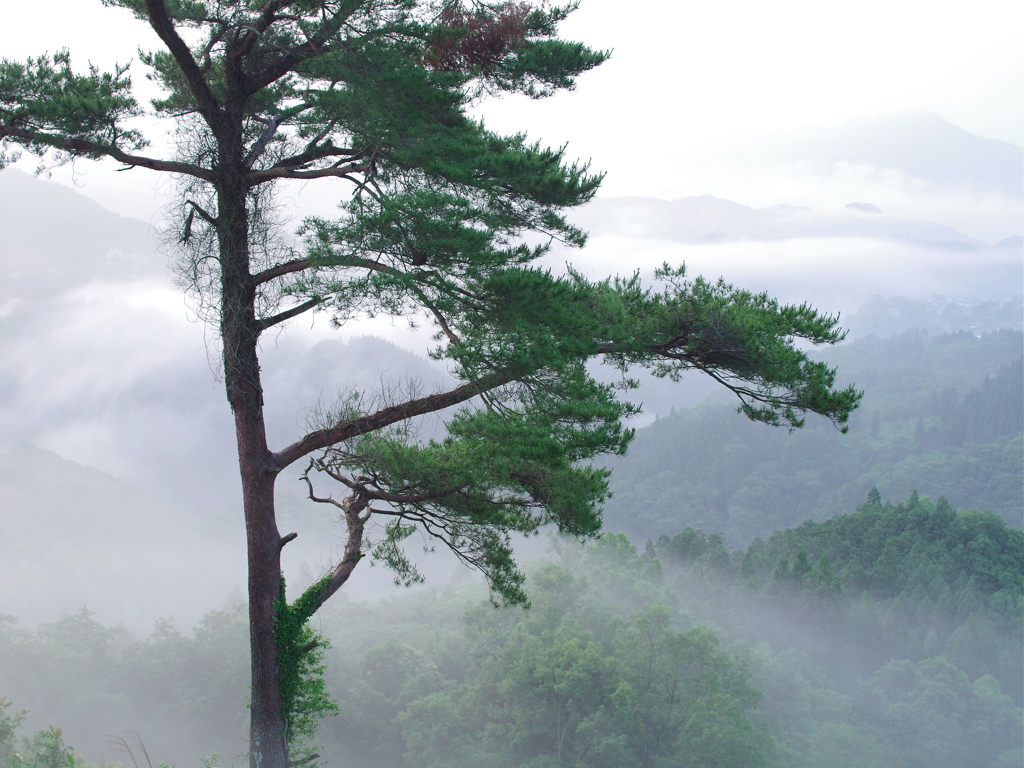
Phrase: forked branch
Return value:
(355, 511)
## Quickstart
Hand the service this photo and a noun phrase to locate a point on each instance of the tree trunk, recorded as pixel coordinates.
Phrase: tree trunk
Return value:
(267, 739)
(240, 332)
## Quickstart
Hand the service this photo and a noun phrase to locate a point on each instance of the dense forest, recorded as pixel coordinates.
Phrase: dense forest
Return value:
(889, 636)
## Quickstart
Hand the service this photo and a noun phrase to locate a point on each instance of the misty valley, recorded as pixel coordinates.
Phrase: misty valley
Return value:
(762, 598)
(810, 556)
(887, 636)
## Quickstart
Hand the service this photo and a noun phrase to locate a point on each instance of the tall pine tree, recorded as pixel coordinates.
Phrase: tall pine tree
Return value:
(375, 93)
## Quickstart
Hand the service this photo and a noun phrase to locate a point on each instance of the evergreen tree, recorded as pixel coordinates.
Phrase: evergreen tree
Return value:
(801, 567)
(822, 578)
(375, 93)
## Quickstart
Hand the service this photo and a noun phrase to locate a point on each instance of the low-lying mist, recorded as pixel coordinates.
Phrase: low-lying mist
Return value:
(799, 649)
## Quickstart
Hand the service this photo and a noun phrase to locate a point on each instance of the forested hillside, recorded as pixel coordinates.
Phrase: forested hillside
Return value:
(891, 636)
(942, 414)
(912, 613)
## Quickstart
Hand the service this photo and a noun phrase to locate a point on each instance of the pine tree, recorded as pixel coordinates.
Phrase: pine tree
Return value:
(375, 93)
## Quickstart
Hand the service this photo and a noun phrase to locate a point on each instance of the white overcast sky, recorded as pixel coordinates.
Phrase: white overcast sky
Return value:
(686, 83)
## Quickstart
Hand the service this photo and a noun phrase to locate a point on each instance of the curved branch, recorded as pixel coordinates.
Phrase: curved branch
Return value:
(349, 428)
(353, 507)
(86, 147)
(161, 22)
(339, 172)
(438, 526)
(297, 265)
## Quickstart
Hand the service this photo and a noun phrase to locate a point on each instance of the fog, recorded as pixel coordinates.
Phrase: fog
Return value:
(752, 144)
(108, 368)
(118, 478)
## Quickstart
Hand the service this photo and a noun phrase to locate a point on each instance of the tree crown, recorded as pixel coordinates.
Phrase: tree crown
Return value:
(375, 93)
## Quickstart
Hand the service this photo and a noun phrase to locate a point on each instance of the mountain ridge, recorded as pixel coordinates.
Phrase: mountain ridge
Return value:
(923, 145)
(711, 219)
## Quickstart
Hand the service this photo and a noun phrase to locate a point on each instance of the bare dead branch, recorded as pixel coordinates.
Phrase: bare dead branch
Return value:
(288, 314)
(260, 146)
(203, 213)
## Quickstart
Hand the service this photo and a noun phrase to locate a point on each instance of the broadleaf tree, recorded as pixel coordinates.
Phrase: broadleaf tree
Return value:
(373, 96)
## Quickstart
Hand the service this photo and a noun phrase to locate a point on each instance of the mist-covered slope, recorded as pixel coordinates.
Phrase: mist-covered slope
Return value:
(922, 145)
(52, 238)
(886, 636)
(73, 537)
(709, 219)
(941, 414)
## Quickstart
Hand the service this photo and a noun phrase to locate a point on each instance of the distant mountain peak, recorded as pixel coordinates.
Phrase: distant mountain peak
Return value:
(922, 145)
(708, 219)
(864, 207)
